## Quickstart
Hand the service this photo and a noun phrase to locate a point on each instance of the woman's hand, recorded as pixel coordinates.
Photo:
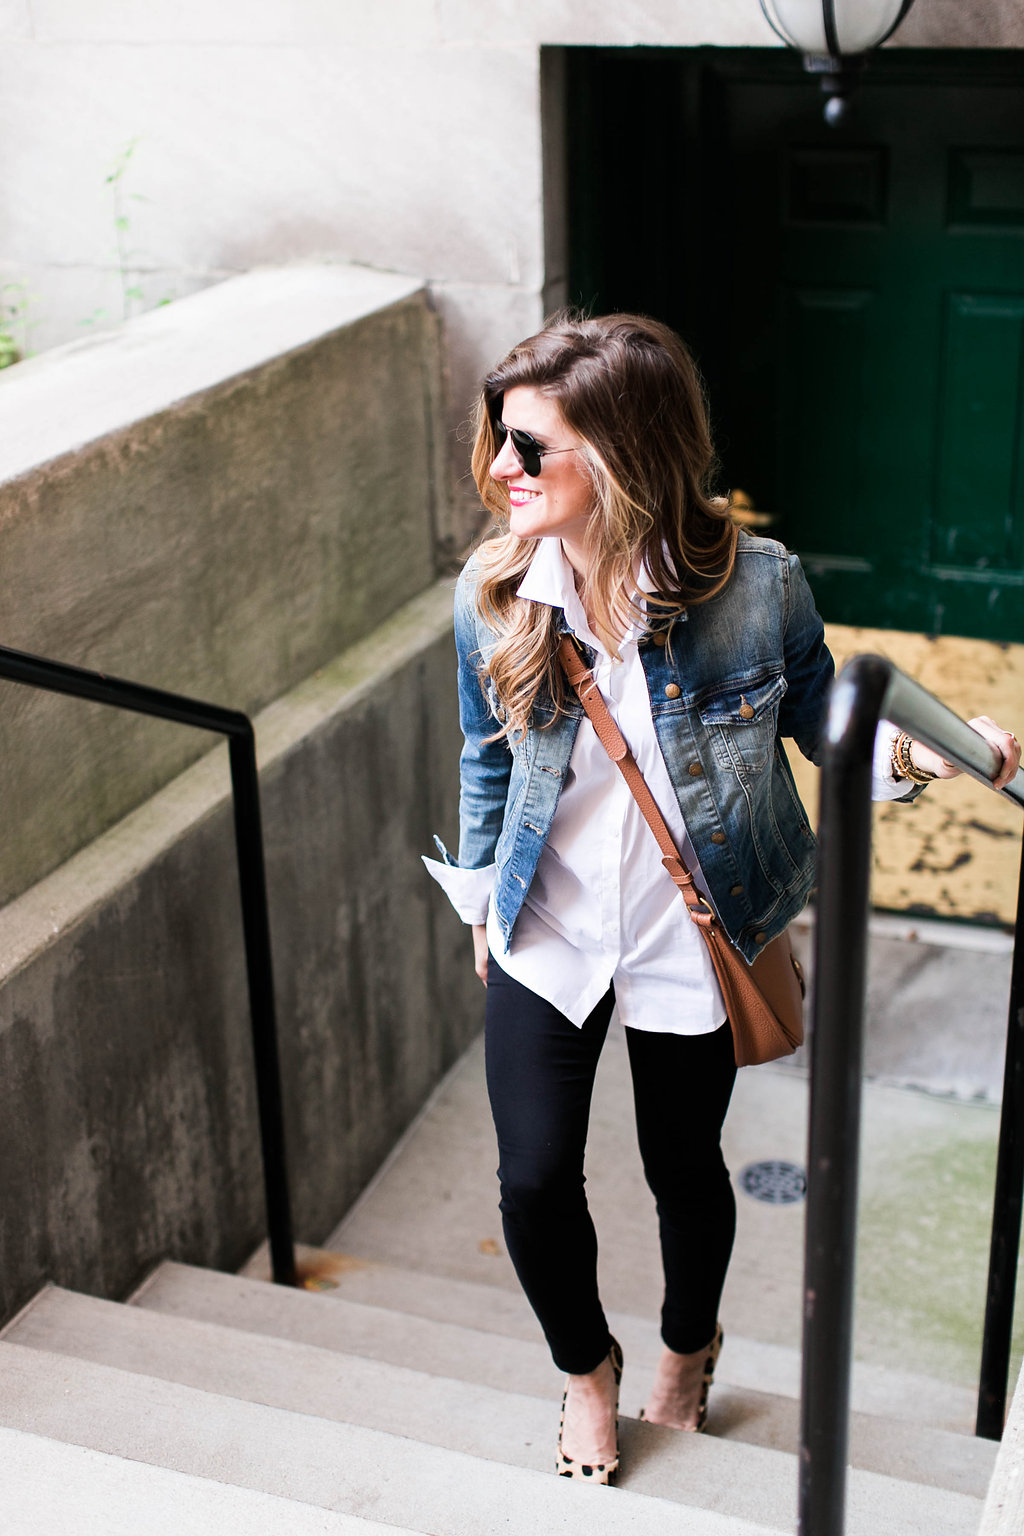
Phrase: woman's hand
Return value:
(1005, 743)
(480, 951)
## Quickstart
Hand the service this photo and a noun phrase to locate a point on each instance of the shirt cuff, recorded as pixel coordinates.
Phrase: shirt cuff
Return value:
(468, 890)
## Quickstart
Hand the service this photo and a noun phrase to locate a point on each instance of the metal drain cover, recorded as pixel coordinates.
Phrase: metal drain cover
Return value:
(774, 1182)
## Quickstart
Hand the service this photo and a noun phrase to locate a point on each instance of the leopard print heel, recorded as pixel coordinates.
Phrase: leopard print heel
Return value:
(592, 1472)
(714, 1350)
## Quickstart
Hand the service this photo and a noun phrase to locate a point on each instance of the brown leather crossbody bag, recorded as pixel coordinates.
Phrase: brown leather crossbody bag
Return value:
(764, 1001)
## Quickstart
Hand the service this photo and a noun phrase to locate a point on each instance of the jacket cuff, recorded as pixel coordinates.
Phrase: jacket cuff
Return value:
(468, 890)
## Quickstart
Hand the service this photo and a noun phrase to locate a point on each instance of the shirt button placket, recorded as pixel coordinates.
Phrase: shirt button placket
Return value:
(611, 890)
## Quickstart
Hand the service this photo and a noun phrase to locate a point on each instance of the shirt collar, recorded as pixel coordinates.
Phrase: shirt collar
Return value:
(550, 579)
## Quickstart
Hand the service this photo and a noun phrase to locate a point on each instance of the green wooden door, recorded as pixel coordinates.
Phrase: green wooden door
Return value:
(855, 296)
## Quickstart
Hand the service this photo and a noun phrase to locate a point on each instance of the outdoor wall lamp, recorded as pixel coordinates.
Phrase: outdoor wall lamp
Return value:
(835, 38)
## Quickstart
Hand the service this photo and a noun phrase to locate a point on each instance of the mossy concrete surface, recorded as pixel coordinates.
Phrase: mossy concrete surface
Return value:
(928, 1177)
(924, 1221)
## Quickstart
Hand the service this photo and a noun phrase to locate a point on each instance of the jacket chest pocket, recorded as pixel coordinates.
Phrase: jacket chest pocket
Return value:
(741, 720)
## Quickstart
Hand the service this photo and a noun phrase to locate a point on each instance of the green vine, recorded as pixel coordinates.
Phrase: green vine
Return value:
(125, 254)
(16, 301)
(131, 292)
(15, 322)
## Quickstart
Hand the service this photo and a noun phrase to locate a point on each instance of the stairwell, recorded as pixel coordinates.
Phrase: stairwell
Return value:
(373, 1412)
(408, 1389)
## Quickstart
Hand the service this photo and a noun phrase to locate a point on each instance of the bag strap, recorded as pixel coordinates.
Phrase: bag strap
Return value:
(614, 743)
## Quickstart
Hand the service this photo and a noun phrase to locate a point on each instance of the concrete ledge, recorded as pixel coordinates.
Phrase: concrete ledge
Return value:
(215, 498)
(127, 1119)
(64, 401)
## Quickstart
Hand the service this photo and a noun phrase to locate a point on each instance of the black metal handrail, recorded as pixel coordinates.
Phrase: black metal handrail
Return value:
(868, 689)
(58, 677)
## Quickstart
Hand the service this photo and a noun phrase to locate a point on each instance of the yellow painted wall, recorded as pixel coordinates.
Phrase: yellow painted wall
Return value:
(955, 852)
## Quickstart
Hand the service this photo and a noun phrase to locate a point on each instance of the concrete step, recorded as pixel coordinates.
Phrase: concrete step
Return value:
(52, 1489)
(343, 1468)
(745, 1363)
(746, 1482)
(328, 1320)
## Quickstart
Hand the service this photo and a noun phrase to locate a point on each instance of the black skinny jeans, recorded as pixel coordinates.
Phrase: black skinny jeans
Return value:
(540, 1078)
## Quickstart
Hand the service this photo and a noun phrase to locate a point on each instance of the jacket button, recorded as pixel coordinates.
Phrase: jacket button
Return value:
(746, 710)
(759, 938)
(695, 770)
(661, 638)
(736, 890)
(672, 690)
(718, 837)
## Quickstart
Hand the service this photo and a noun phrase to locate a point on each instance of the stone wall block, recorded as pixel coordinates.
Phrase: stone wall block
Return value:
(728, 23)
(962, 24)
(268, 22)
(15, 20)
(384, 156)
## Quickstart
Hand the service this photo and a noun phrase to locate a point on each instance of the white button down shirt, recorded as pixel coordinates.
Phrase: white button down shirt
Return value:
(601, 909)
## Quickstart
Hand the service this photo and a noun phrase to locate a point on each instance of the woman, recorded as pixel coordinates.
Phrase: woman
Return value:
(592, 450)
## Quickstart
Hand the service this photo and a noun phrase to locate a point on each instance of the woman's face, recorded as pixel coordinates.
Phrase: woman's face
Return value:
(558, 501)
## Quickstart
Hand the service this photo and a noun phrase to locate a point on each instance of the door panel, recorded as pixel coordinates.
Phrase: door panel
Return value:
(846, 186)
(978, 492)
(986, 188)
(823, 452)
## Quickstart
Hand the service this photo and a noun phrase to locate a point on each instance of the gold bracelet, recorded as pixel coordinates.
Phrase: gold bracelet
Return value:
(903, 765)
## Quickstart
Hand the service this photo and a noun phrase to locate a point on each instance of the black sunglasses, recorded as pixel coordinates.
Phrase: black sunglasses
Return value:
(525, 447)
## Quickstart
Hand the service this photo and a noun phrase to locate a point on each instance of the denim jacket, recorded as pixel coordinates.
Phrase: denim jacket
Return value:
(727, 678)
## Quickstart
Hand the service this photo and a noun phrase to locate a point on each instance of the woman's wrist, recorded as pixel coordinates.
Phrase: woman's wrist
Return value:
(903, 764)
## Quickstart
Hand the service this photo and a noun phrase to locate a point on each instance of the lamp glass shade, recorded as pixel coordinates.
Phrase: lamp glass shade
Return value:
(860, 24)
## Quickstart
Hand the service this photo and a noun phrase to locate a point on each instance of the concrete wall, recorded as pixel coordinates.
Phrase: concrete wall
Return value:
(214, 499)
(233, 498)
(405, 135)
(127, 1118)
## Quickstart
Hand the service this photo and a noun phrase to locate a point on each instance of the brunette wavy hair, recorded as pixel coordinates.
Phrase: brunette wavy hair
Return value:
(629, 389)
